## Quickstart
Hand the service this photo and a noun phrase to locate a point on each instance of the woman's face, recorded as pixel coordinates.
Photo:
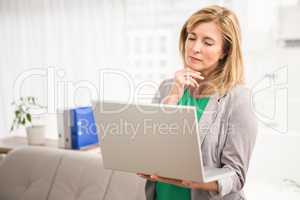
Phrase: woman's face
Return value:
(204, 47)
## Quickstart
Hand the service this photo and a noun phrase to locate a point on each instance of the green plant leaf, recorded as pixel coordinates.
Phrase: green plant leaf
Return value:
(29, 100)
(28, 116)
(17, 112)
(22, 108)
(13, 125)
(23, 122)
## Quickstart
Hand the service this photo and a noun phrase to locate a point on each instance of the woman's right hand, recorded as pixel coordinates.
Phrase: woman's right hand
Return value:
(183, 78)
(188, 77)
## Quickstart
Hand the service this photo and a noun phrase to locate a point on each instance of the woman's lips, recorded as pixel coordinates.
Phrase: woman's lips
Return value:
(193, 59)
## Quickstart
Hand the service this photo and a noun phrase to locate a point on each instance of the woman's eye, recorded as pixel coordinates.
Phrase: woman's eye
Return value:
(208, 44)
(189, 38)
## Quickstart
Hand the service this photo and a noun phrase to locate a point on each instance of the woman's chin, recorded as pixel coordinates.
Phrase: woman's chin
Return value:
(195, 68)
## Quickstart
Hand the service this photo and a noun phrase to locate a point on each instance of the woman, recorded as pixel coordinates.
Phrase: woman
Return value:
(212, 80)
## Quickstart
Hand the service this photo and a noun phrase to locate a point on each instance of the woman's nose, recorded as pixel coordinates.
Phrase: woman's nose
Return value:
(197, 47)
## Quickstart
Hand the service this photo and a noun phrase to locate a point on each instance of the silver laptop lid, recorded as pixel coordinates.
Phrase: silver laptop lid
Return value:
(150, 138)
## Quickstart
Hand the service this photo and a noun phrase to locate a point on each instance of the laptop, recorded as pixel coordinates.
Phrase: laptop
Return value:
(153, 139)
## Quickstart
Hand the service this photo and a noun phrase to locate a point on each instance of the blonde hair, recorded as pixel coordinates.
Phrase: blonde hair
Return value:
(230, 71)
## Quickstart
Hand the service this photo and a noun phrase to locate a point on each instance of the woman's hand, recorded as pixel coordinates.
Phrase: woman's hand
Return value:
(155, 178)
(188, 77)
(183, 78)
(211, 186)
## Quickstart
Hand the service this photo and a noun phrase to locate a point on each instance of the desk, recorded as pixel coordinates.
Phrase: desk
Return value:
(12, 142)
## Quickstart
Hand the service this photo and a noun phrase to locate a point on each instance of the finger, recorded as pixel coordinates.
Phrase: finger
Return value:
(191, 82)
(142, 174)
(195, 83)
(186, 77)
(154, 177)
(192, 71)
(158, 178)
(185, 182)
(147, 177)
(167, 180)
(194, 75)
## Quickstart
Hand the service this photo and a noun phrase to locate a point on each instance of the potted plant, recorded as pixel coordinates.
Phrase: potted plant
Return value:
(23, 117)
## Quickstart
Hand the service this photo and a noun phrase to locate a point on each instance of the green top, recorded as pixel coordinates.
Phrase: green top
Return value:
(166, 191)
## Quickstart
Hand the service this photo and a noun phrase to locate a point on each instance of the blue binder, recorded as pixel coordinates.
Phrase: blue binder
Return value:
(83, 128)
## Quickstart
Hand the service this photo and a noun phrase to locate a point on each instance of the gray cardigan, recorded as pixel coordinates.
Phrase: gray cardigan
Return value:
(228, 133)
